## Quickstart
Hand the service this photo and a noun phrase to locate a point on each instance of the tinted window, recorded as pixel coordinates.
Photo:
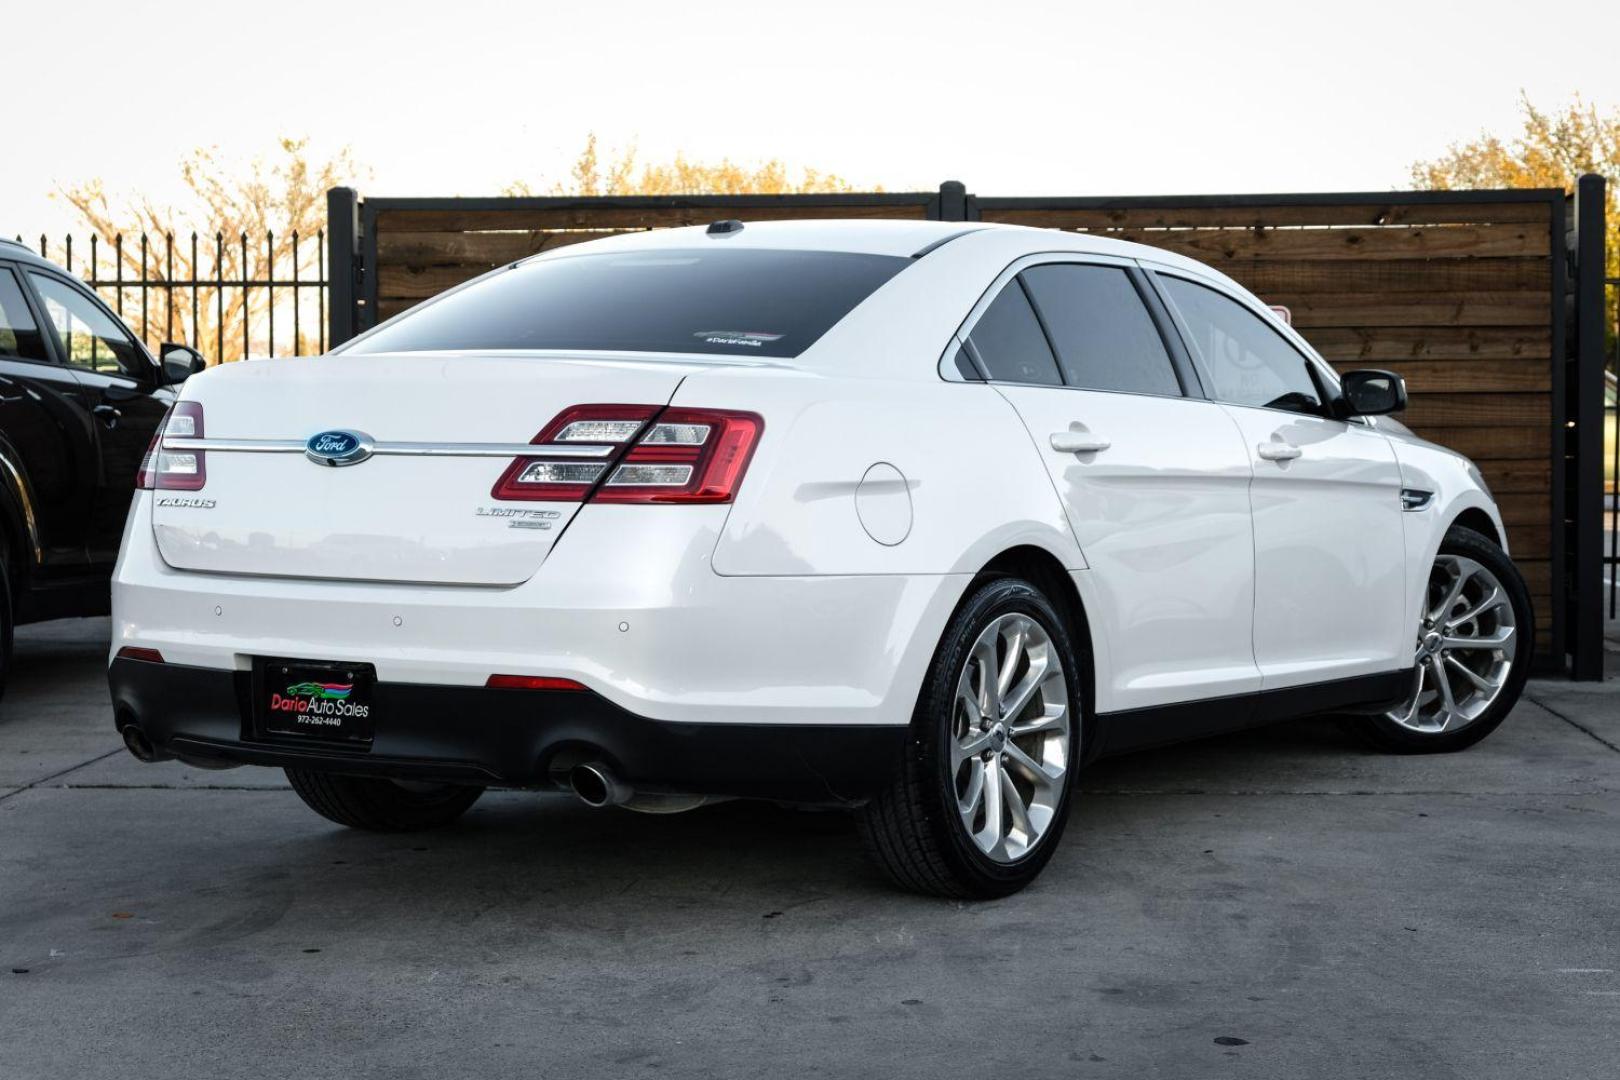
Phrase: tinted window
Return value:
(1010, 343)
(1248, 361)
(19, 334)
(88, 335)
(1104, 337)
(744, 302)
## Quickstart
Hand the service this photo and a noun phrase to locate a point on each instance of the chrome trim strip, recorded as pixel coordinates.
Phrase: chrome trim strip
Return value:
(400, 449)
(1415, 499)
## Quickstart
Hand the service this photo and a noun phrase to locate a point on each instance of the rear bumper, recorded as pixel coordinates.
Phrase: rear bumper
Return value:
(515, 738)
(628, 604)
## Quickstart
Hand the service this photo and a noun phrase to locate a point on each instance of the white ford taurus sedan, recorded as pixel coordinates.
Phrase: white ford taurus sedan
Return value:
(912, 518)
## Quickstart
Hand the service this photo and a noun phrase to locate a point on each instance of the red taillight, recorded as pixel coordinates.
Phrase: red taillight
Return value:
(635, 454)
(686, 456)
(583, 442)
(164, 469)
(531, 682)
(135, 652)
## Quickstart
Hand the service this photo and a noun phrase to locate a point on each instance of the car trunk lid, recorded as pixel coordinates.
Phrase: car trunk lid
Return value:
(418, 512)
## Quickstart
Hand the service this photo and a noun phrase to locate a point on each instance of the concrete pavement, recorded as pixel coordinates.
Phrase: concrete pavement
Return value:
(1279, 903)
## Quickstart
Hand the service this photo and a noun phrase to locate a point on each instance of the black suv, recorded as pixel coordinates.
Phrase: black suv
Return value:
(80, 398)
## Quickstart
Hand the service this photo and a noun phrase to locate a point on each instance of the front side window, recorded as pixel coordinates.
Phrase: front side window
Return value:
(88, 336)
(1104, 337)
(740, 302)
(19, 334)
(1010, 343)
(1248, 362)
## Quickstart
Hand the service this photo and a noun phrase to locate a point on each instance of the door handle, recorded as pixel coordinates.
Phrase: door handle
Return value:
(1078, 442)
(107, 414)
(1278, 451)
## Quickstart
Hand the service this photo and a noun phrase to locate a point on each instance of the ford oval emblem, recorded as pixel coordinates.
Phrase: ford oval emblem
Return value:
(338, 448)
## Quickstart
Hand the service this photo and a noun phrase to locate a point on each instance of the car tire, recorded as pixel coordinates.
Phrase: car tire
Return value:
(925, 829)
(1493, 602)
(380, 805)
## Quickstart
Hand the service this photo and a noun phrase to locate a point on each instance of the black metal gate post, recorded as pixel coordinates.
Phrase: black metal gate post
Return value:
(343, 253)
(1585, 517)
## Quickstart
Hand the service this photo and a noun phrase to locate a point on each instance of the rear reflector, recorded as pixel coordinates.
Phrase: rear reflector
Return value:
(175, 470)
(531, 682)
(592, 453)
(134, 652)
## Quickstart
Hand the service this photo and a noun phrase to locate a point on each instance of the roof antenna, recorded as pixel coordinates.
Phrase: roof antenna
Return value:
(729, 227)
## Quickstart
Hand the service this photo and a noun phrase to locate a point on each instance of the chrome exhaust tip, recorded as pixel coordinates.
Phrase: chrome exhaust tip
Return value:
(596, 785)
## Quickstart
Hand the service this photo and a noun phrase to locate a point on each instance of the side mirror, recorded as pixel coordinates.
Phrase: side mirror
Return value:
(180, 362)
(1371, 392)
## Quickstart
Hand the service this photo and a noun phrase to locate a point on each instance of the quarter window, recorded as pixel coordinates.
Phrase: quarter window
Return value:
(1010, 343)
(1247, 361)
(19, 334)
(1104, 337)
(89, 336)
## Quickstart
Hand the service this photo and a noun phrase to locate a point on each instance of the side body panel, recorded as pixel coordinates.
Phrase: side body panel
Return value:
(1330, 551)
(950, 478)
(1456, 488)
(1162, 517)
(48, 461)
(126, 415)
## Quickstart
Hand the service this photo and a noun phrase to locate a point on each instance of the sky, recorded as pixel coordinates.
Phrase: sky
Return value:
(462, 97)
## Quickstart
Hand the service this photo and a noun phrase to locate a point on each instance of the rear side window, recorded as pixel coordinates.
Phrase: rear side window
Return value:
(88, 335)
(19, 334)
(1248, 362)
(743, 302)
(1010, 343)
(1104, 337)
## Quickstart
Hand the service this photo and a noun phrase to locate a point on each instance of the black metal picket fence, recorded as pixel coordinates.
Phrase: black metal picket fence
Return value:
(224, 296)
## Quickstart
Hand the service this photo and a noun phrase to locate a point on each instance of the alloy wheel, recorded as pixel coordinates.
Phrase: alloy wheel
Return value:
(1010, 732)
(1466, 643)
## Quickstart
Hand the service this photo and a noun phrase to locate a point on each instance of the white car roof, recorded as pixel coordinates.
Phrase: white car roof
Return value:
(873, 237)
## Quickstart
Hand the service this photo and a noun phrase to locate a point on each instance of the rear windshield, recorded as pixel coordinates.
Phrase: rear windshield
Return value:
(745, 302)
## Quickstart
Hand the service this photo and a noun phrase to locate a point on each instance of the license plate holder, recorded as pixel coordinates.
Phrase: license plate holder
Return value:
(328, 701)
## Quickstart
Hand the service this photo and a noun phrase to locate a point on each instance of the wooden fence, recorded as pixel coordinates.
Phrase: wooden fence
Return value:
(1463, 293)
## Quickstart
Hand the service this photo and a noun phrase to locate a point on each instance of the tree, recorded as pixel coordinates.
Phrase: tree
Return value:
(1553, 149)
(624, 174)
(277, 198)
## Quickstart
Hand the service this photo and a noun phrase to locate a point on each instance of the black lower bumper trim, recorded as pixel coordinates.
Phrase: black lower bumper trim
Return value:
(513, 738)
(1161, 725)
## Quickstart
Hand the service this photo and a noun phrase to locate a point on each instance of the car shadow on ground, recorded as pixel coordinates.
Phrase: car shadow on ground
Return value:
(526, 844)
(518, 847)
